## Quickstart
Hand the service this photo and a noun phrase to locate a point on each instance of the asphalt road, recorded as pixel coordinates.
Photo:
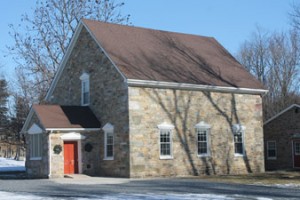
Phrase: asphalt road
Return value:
(70, 189)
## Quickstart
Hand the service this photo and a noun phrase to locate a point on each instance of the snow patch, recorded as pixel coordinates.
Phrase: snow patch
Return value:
(124, 196)
(288, 185)
(9, 164)
(27, 196)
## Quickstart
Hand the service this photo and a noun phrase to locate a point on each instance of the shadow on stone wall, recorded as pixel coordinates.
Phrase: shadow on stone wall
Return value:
(178, 114)
(231, 119)
(164, 71)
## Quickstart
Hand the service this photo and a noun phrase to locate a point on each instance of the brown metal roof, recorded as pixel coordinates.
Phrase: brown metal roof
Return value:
(147, 54)
(55, 116)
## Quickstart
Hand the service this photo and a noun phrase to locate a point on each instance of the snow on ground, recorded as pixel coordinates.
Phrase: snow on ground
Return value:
(288, 185)
(169, 196)
(9, 164)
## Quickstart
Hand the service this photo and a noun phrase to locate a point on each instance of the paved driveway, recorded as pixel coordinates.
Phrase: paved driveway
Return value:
(110, 188)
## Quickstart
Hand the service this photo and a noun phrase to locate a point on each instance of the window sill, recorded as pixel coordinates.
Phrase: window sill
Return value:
(166, 157)
(109, 158)
(203, 155)
(36, 158)
(238, 155)
(271, 158)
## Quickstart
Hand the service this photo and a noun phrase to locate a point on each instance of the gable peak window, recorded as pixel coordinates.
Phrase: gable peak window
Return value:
(85, 89)
(238, 137)
(108, 141)
(202, 134)
(165, 140)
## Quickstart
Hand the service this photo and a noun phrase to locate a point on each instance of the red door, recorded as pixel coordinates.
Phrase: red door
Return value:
(296, 153)
(70, 157)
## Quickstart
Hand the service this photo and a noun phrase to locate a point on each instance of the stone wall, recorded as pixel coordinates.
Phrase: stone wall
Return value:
(108, 99)
(150, 107)
(281, 130)
(89, 161)
(37, 168)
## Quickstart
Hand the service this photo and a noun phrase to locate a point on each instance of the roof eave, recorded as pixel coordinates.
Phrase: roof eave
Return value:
(28, 118)
(26, 123)
(103, 50)
(282, 112)
(64, 61)
(187, 86)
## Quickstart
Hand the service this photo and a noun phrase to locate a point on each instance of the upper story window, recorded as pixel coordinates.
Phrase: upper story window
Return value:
(202, 134)
(271, 150)
(85, 89)
(165, 140)
(108, 141)
(238, 136)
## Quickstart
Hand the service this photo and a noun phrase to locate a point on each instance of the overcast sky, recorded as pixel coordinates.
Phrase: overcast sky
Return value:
(231, 22)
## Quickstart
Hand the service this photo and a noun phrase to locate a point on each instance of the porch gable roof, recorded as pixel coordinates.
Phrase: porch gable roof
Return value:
(57, 117)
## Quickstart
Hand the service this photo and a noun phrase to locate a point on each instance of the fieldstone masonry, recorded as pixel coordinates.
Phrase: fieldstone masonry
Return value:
(37, 168)
(108, 100)
(149, 107)
(135, 113)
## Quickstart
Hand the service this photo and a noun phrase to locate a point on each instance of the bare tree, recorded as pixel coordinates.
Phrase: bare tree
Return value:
(254, 54)
(42, 39)
(274, 60)
(295, 16)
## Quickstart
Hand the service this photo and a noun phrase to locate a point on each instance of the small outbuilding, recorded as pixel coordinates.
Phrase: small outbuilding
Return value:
(282, 139)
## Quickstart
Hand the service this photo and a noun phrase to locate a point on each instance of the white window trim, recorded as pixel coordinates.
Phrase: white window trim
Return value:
(85, 78)
(269, 157)
(108, 128)
(36, 130)
(168, 127)
(204, 127)
(239, 128)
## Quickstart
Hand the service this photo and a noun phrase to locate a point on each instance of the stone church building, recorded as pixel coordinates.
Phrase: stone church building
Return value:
(136, 102)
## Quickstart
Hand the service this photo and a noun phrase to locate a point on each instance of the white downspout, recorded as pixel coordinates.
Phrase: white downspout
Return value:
(49, 155)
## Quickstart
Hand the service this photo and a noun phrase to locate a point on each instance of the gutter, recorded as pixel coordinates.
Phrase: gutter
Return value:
(187, 86)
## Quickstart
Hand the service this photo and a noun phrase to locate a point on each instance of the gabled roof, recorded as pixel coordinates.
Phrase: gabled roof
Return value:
(166, 59)
(282, 112)
(155, 55)
(56, 117)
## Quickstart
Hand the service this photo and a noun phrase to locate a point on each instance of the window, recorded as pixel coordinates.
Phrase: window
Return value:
(165, 141)
(35, 146)
(35, 142)
(297, 148)
(202, 131)
(108, 142)
(238, 136)
(85, 89)
(271, 150)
